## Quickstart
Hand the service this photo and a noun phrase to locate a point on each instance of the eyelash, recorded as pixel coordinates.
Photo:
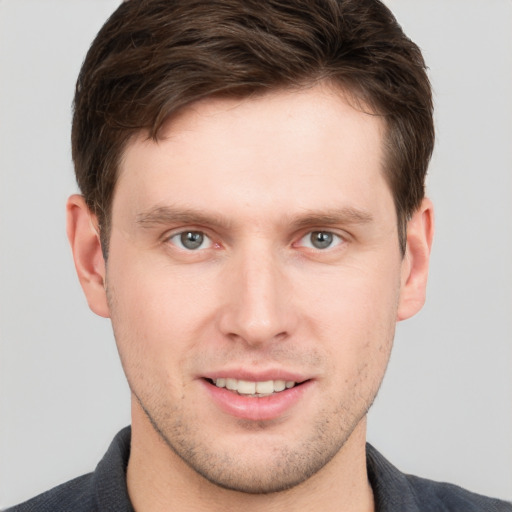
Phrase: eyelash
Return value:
(331, 239)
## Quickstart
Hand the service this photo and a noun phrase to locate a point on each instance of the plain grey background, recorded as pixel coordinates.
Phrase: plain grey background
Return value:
(445, 409)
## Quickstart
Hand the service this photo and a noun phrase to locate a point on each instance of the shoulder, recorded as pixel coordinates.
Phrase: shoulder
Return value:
(76, 495)
(395, 491)
(441, 497)
(103, 490)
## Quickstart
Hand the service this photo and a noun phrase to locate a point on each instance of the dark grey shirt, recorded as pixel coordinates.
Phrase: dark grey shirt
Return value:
(105, 490)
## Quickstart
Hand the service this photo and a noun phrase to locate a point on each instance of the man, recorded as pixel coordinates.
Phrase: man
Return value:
(253, 222)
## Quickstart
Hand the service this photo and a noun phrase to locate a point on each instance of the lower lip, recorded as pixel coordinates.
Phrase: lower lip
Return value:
(256, 408)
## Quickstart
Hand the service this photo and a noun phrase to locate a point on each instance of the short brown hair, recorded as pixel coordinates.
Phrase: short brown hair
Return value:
(154, 57)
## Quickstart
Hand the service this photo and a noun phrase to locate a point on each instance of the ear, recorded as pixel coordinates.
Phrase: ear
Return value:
(83, 235)
(415, 264)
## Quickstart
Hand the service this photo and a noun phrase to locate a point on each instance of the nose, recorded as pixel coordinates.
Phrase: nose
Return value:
(257, 299)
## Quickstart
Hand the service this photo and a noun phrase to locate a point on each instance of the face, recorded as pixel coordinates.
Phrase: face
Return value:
(254, 281)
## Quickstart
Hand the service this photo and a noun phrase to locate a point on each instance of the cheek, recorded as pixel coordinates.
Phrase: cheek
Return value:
(153, 329)
(156, 310)
(353, 311)
(355, 299)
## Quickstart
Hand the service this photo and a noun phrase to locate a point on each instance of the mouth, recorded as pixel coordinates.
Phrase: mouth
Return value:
(268, 396)
(255, 389)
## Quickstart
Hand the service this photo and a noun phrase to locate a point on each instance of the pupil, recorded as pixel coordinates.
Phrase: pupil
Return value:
(321, 239)
(192, 239)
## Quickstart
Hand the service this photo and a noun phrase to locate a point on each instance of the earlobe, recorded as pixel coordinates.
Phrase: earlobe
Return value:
(85, 243)
(415, 265)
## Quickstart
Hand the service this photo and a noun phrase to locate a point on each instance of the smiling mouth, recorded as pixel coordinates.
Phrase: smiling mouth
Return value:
(254, 389)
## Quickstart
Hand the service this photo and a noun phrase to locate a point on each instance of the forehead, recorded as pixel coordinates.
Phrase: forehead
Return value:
(297, 114)
(287, 146)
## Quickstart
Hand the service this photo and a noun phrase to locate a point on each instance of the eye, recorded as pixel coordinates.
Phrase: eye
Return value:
(320, 240)
(191, 240)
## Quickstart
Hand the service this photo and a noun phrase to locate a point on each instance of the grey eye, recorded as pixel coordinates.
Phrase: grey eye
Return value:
(191, 240)
(321, 239)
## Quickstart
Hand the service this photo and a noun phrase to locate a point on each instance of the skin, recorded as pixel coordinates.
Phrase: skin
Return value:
(256, 176)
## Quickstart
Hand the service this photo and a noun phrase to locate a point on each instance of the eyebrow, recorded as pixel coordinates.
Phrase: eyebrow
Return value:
(166, 215)
(346, 216)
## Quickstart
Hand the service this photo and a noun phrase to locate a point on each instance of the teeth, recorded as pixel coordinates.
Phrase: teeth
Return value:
(266, 387)
(232, 384)
(245, 387)
(280, 385)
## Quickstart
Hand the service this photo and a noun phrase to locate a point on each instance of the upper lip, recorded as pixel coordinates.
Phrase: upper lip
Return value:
(256, 376)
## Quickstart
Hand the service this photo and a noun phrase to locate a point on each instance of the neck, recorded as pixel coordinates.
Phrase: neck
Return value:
(158, 480)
